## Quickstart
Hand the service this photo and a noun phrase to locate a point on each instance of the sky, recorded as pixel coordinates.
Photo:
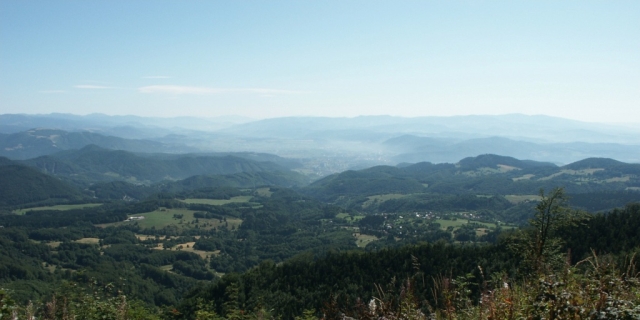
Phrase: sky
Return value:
(266, 59)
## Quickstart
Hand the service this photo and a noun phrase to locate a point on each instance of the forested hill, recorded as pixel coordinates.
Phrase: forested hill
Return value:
(21, 185)
(485, 174)
(113, 190)
(94, 164)
(496, 162)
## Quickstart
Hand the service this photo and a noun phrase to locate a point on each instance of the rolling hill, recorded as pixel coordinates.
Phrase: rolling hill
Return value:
(484, 174)
(38, 142)
(21, 185)
(94, 164)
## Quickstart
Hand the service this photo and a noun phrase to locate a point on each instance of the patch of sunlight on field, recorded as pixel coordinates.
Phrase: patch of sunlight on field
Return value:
(60, 207)
(218, 202)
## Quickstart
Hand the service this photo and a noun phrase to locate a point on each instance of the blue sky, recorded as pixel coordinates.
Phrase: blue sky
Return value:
(263, 59)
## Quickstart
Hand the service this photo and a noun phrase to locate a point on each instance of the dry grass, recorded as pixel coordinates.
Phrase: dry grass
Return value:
(264, 192)
(88, 240)
(524, 177)
(506, 168)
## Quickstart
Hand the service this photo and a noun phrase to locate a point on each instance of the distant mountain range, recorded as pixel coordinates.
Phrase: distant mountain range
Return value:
(37, 142)
(323, 146)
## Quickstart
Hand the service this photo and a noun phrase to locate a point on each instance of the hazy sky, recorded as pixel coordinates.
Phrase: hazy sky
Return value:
(574, 59)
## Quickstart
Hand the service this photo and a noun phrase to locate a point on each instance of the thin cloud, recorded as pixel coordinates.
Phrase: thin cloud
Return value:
(52, 91)
(156, 77)
(90, 86)
(210, 90)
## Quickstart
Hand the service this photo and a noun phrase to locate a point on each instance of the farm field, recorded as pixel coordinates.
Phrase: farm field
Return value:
(218, 202)
(348, 218)
(444, 224)
(362, 240)
(181, 218)
(264, 192)
(61, 207)
(188, 247)
(88, 241)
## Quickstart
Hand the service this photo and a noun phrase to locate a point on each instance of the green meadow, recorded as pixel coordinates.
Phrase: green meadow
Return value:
(218, 202)
(60, 207)
(181, 218)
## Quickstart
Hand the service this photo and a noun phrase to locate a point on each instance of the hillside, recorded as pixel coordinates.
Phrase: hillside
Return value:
(21, 185)
(93, 164)
(481, 175)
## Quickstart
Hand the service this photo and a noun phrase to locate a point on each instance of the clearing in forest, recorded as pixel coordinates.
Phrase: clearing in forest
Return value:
(218, 202)
(60, 207)
(178, 217)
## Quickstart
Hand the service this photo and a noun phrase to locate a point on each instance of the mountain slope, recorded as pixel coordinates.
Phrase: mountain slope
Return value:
(21, 185)
(92, 164)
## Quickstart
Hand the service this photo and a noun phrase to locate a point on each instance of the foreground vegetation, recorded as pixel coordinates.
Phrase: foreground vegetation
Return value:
(565, 265)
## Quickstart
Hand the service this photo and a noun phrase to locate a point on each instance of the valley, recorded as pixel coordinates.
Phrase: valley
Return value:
(183, 225)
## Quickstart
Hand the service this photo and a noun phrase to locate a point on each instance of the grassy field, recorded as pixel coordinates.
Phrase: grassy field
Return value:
(188, 247)
(362, 240)
(524, 177)
(444, 224)
(61, 207)
(182, 218)
(264, 192)
(349, 218)
(88, 240)
(219, 202)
